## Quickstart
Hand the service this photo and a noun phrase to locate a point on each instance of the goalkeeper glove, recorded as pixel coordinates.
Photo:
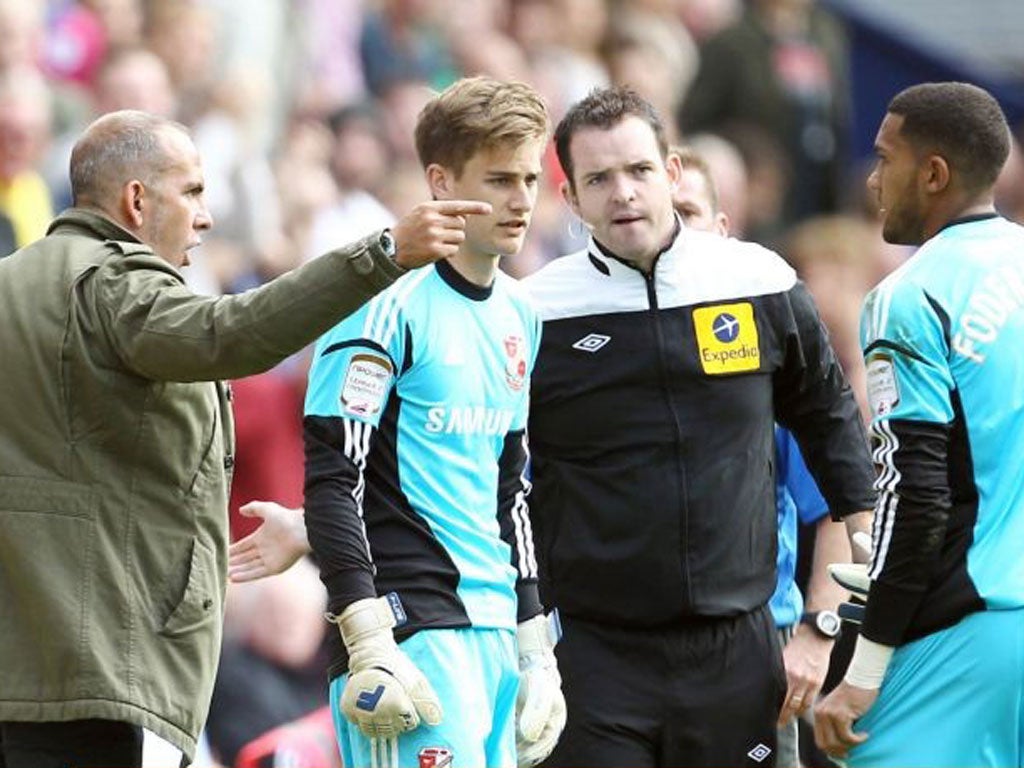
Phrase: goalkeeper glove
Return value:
(385, 694)
(540, 706)
(854, 577)
(851, 576)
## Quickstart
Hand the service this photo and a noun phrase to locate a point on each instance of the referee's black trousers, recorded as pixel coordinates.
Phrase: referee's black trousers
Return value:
(704, 693)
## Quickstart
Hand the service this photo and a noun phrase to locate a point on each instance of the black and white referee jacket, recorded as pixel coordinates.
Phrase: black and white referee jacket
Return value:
(651, 428)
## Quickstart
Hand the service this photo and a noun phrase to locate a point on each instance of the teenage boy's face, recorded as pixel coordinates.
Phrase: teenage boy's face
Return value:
(623, 188)
(506, 176)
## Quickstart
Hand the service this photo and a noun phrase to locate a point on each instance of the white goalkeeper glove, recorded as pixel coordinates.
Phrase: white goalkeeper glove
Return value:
(385, 694)
(854, 577)
(540, 706)
(851, 576)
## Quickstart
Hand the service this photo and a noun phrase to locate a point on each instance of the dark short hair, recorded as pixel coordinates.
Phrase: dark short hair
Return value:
(604, 108)
(959, 121)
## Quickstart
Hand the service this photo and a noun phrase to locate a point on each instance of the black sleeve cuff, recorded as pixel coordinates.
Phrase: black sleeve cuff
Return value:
(888, 613)
(528, 600)
(345, 587)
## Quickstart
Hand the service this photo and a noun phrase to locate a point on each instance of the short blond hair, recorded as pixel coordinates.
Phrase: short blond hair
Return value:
(478, 113)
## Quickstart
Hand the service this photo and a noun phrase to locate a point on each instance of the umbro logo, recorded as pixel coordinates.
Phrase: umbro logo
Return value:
(591, 342)
(759, 753)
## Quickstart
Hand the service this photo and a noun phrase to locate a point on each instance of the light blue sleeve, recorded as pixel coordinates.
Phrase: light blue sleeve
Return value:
(355, 366)
(906, 354)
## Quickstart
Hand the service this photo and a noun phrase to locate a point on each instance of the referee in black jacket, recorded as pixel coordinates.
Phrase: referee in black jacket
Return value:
(667, 356)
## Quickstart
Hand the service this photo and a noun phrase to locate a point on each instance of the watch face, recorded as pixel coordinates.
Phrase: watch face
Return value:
(828, 623)
(387, 243)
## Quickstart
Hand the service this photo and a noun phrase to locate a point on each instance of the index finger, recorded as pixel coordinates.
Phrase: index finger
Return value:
(463, 207)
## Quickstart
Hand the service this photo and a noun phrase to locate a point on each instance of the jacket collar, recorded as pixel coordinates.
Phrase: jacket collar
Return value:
(602, 258)
(83, 221)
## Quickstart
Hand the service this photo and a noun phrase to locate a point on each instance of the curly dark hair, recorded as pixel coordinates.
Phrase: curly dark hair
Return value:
(959, 121)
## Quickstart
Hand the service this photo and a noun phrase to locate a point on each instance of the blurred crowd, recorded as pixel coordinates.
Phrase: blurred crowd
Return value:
(303, 113)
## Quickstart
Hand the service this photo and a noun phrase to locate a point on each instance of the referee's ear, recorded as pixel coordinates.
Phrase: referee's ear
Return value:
(568, 193)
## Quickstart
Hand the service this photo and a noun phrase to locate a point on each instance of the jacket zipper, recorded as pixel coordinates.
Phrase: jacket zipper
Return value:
(684, 533)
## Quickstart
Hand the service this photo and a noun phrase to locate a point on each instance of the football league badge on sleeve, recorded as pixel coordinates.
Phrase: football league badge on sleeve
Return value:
(367, 381)
(515, 364)
(882, 384)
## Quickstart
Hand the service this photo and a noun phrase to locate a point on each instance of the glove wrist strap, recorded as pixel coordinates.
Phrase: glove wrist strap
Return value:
(363, 618)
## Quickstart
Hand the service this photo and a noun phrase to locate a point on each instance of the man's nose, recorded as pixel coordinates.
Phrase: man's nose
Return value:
(204, 220)
(623, 189)
(872, 180)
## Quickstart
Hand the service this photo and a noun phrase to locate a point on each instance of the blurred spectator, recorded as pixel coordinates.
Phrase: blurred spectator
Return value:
(271, 670)
(401, 41)
(839, 258)
(183, 33)
(729, 174)
(76, 43)
(400, 106)
(305, 185)
(655, 55)
(480, 44)
(242, 192)
(359, 164)
(767, 181)
(134, 78)
(24, 35)
(562, 40)
(705, 18)
(22, 32)
(25, 113)
(782, 67)
(121, 21)
(329, 66)
(224, 103)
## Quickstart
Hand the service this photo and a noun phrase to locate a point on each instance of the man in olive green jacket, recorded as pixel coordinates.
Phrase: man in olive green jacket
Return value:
(116, 442)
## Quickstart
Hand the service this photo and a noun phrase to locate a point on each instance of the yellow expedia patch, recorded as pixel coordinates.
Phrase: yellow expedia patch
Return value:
(727, 340)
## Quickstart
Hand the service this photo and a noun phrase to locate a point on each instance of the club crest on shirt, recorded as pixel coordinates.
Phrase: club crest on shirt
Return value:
(883, 388)
(515, 365)
(435, 757)
(727, 339)
(366, 384)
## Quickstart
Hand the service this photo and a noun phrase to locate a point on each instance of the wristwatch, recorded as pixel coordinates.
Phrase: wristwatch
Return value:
(825, 623)
(387, 244)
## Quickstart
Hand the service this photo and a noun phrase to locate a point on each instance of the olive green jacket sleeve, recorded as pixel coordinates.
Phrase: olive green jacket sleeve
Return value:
(161, 330)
